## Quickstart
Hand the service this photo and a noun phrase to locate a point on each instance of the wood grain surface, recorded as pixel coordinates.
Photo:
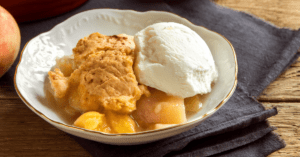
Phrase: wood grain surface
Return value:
(22, 133)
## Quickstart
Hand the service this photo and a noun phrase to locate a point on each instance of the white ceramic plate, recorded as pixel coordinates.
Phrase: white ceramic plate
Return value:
(39, 54)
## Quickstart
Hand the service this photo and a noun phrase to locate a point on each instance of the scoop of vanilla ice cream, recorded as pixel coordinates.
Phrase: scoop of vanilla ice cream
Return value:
(174, 59)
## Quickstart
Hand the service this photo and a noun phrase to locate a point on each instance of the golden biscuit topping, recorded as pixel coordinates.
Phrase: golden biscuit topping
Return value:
(104, 78)
(98, 42)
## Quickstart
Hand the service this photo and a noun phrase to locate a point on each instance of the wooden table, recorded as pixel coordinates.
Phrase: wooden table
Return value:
(22, 133)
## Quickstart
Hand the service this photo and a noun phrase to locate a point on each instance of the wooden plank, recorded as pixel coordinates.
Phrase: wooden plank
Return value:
(288, 127)
(23, 133)
(7, 90)
(286, 88)
(282, 13)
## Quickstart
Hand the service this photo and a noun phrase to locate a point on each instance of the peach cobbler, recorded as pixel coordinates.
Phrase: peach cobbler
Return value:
(98, 81)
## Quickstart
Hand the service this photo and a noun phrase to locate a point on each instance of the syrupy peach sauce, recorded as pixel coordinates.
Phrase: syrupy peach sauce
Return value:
(96, 89)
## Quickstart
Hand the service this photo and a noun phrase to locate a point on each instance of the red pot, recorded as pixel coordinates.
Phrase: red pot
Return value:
(29, 10)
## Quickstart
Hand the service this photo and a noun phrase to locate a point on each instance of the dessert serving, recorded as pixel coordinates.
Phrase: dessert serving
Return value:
(52, 51)
(128, 84)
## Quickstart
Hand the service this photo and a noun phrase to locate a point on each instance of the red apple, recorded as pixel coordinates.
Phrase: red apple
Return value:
(10, 39)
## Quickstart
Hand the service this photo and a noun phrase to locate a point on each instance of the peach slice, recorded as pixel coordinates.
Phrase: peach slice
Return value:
(93, 121)
(121, 123)
(193, 104)
(160, 108)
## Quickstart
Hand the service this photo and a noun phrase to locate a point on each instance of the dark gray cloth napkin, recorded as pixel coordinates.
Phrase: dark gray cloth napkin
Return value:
(239, 128)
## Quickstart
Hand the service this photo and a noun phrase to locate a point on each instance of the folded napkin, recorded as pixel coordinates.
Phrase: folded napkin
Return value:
(239, 128)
